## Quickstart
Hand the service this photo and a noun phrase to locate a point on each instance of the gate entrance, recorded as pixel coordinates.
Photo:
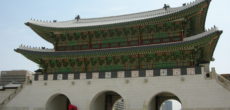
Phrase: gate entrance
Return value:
(108, 100)
(158, 102)
(58, 102)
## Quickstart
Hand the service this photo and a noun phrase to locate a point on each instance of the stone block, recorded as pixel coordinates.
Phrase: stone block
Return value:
(135, 74)
(176, 72)
(41, 77)
(50, 77)
(190, 71)
(59, 77)
(71, 76)
(82, 75)
(149, 73)
(120, 74)
(95, 75)
(107, 74)
(163, 72)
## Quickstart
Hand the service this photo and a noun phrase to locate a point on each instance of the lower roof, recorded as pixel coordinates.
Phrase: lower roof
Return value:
(50, 52)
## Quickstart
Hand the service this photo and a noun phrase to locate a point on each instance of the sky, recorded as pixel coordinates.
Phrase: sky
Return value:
(14, 13)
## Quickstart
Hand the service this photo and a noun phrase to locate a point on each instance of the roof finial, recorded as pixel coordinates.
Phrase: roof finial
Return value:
(166, 6)
(77, 17)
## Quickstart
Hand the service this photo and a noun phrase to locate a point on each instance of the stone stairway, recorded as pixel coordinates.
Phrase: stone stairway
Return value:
(223, 79)
(11, 84)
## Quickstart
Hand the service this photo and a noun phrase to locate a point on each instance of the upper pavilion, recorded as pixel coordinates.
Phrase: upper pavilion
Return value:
(163, 38)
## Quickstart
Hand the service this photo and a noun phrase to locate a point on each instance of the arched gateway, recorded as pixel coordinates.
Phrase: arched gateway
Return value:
(107, 100)
(58, 102)
(157, 101)
(138, 55)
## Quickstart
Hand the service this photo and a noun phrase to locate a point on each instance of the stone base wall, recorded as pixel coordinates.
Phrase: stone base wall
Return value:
(196, 92)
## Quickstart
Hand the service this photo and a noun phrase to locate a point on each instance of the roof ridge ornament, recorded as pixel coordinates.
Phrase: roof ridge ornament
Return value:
(215, 27)
(27, 47)
(78, 17)
(166, 6)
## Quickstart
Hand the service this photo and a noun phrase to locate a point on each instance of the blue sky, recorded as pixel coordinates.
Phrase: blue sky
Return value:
(14, 13)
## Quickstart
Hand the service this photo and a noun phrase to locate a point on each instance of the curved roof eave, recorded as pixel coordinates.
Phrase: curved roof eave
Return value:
(24, 49)
(114, 19)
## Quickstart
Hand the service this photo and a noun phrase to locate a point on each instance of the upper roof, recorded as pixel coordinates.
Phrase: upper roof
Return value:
(115, 19)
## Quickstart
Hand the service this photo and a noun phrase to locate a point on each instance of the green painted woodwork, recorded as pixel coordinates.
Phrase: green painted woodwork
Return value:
(166, 65)
(72, 43)
(114, 40)
(161, 35)
(126, 62)
(114, 45)
(123, 44)
(146, 41)
(63, 69)
(96, 46)
(111, 67)
(133, 43)
(85, 46)
(123, 62)
(176, 39)
(104, 45)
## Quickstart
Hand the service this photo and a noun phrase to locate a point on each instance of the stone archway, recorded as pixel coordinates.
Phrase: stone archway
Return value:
(107, 100)
(156, 102)
(58, 102)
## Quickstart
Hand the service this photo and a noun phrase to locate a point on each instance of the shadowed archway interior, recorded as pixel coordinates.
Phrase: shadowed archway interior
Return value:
(157, 101)
(107, 100)
(58, 102)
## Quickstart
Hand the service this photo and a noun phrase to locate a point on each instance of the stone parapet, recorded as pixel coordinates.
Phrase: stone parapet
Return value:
(121, 74)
